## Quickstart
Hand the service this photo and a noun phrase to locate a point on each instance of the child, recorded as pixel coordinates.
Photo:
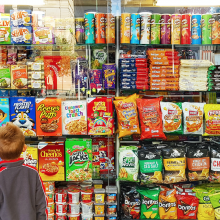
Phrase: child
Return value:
(22, 194)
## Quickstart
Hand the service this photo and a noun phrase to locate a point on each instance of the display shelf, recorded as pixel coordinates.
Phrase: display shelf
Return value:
(176, 45)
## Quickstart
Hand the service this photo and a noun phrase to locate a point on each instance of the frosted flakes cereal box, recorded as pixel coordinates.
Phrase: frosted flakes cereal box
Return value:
(43, 35)
(49, 117)
(51, 161)
(74, 117)
(4, 111)
(19, 76)
(21, 35)
(5, 36)
(30, 156)
(20, 18)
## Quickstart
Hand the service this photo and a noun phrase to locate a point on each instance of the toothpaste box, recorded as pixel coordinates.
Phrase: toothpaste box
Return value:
(43, 35)
(21, 18)
(5, 37)
(21, 35)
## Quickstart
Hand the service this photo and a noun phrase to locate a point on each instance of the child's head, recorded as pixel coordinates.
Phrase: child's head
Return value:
(12, 142)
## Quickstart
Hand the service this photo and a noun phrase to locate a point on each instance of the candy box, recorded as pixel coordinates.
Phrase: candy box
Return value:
(21, 18)
(96, 80)
(48, 115)
(22, 114)
(5, 76)
(51, 161)
(19, 76)
(78, 154)
(81, 73)
(4, 111)
(21, 35)
(43, 35)
(100, 116)
(5, 36)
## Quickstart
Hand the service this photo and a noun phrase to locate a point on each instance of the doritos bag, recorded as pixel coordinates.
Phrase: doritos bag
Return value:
(215, 164)
(127, 116)
(168, 204)
(216, 204)
(150, 118)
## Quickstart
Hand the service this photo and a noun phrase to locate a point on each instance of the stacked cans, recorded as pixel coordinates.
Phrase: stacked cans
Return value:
(216, 29)
(214, 78)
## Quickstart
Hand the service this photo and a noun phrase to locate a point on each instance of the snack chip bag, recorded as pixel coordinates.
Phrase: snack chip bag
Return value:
(172, 117)
(215, 164)
(127, 116)
(151, 118)
(193, 117)
(214, 198)
(168, 204)
(128, 163)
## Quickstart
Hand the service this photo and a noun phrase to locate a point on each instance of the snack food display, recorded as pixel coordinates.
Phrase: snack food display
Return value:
(4, 111)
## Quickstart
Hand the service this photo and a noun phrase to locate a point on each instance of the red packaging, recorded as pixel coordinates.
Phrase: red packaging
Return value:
(142, 69)
(150, 118)
(146, 87)
(100, 28)
(141, 60)
(60, 197)
(187, 206)
(140, 65)
(61, 217)
(186, 29)
(86, 195)
(61, 208)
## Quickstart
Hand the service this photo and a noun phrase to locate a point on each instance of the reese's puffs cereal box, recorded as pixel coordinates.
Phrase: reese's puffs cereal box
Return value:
(48, 117)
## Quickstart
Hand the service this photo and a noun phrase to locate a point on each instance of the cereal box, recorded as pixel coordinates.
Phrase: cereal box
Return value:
(5, 36)
(48, 114)
(43, 35)
(74, 117)
(4, 111)
(5, 76)
(81, 73)
(19, 77)
(78, 154)
(21, 35)
(20, 18)
(51, 161)
(100, 116)
(22, 114)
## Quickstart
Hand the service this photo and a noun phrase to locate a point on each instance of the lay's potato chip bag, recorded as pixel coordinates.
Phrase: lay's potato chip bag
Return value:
(214, 198)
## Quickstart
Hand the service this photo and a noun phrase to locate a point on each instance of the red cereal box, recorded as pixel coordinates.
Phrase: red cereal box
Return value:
(100, 116)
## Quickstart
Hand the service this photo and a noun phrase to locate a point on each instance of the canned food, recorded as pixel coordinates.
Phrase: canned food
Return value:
(110, 28)
(155, 28)
(74, 196)
(111, 209)
(186, 29)
(80, 31)
(216, 29)
(145, 27)
(99, 195)
(50, 197)
(86, 196)
(61, 216)
(125, 28)
(100, 28)
(60, 197)
(74, 217)
(196, 29)
(49, 187)
(99, 209)
(135, 28)
(87, 217)
(165, 24)
(99, 217)
(74, 208)
(175, 28)
(50, 217)
(50, 208)
(206, 24)
(61, 208)
(87, 207)
(89, 28)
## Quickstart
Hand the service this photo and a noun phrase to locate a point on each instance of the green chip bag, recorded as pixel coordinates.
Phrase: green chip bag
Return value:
(215, 200)
(128, 163)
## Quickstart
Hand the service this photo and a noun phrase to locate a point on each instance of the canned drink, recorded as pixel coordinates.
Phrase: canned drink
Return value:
(89, 28)
(145, 27)
(216, 29)
(165, 24)
(155, 28)
(175, 28)
(196, 29)
(186, 29)
(100, 28)
(135, 28)
(206, 25)
(125, 28)
(80, 31)
(110, 28)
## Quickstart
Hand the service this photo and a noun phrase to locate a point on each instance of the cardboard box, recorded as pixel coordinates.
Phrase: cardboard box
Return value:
(21, 35)
(19, 76)
(5, 35)
(21, 18)
(31, 156)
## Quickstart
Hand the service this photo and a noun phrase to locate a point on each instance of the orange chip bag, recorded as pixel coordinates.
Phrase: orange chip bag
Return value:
(127, 116)
(151, 118)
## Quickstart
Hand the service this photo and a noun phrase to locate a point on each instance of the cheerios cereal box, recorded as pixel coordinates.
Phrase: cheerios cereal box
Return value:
(78, 156)
(74, 118)
(21, 35)
(21, 18)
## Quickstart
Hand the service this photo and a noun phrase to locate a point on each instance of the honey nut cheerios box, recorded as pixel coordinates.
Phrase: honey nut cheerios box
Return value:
(51, 161)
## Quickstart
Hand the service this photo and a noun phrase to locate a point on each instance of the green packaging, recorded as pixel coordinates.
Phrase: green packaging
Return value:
(206, 29)
(155, 28)
(5, 77)
(5, 30)
(99, 57)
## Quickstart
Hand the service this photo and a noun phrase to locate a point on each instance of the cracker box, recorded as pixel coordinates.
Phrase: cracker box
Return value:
(4, 111)
(5, 36)
(21, 18)
(74, 117)
(100, 116)
(51, 161)
(5, 76)
(78, 154)
(19, 76)
(49, 117)
(22, 114)
(21, 35)
(43, 35)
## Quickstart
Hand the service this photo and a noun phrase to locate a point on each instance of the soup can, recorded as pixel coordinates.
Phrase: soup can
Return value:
(165, 24)
(196, 29)
(50, 208)
(100, 28)
(135, 28)
(49, 187)
(89, 28)
(110, 28)
(145, 27)
(186, 29)
(60, 197)
(80, 31)
(206, 24)
(50, 217)
(73, 217)
(125, 28)
(74, 208)
(175, 28)
(50, 197)
(216, 29)
(61, 208)
(61, 216)
(155, 28)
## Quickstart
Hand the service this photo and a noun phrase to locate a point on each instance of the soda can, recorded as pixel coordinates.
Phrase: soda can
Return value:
(186, 29)
(80, 31)
(165, 24)
(196, 29)
(110, 28)
(135, 28)
(89, 28)
(216, 29)
(155, 28)
(145, 27)
(100, 28)
(125, 28)
(175, 28)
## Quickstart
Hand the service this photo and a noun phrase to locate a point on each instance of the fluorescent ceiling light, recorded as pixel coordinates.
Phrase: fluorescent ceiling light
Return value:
(22, 2)
(188, 3)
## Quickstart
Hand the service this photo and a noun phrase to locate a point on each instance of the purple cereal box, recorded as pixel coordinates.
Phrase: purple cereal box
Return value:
(109, 71)
(81, 73)
(96, 80)
(43, 35)
(21, 35)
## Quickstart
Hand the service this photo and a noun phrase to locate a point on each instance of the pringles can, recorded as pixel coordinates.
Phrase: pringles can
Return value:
(109, 72)
(89, 28)
(80, 31)
(196, 29)
(186, 29)
(206, 25)
(110, 28)
(100, 28)
(145, 27)
(175, 28)
(135, 28)
(165, 24)
(125, 28)
(155, 28)
(216, 29)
